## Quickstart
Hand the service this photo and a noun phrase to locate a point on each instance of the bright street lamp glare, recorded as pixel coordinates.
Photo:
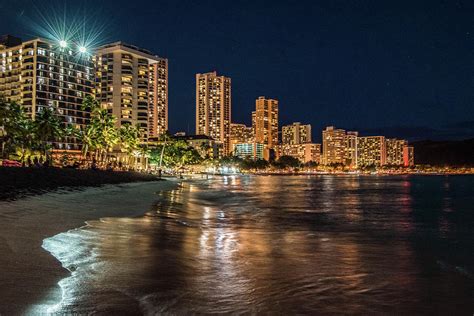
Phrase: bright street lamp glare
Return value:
(82, 49)
(62, 43)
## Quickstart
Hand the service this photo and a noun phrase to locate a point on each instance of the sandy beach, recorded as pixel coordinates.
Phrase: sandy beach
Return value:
(29, 274)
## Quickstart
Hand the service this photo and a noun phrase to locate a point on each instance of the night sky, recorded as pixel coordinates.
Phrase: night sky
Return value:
(403, 68)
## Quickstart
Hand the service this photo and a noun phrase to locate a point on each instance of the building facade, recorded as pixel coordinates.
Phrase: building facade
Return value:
(334, 146)
(133, 85)
(240, 133)
(351, 149)
(252, 151)
(308, 152)
(265, 123)
(371, 151)
(395, 151)
(158, 104)
(213, 107)
(408, 156)
(41, 73)
(296, 133)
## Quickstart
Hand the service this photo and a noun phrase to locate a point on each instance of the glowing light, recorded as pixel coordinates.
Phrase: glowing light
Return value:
(68, 28)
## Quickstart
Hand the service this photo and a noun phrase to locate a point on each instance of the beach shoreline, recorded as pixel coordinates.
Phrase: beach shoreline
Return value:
(20, 182)
(30, 274)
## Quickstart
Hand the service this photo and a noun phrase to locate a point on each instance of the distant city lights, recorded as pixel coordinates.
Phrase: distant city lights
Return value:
(63, 43)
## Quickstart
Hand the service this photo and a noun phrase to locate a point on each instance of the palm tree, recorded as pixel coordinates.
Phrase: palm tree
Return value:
(16, 126)
(26, 139)
(48, 129)
(129, 137)
(87, 137)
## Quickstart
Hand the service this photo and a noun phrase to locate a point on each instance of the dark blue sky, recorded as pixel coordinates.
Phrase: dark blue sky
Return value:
(404, 68)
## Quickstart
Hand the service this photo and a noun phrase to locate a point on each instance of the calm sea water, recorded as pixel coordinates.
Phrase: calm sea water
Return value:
(281, 244)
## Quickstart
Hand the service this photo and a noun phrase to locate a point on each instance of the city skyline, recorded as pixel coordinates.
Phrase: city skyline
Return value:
(319, 96)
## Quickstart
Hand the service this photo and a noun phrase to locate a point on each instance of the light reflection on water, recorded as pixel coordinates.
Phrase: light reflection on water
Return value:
(329, 244)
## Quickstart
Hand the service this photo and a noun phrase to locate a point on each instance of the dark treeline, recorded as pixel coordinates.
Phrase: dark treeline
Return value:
(440, 153)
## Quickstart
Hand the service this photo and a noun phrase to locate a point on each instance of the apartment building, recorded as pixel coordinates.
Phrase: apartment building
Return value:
(213, 108)
(133, 85)
(41, 73)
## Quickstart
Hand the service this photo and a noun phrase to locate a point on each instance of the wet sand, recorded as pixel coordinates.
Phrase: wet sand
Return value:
(28, 273)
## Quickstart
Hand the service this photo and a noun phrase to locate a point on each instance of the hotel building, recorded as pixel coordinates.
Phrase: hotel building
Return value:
(265, 123)
(334, 146)
(395, 151)
(296, 133)
(41, 73)
(371, 151)
(213, 108)
(304, 152)
(133, 85)
(351, 149)
(240, 133)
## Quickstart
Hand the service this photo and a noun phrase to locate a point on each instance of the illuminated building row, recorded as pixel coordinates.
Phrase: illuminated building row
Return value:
(130, 82)
(348, 149)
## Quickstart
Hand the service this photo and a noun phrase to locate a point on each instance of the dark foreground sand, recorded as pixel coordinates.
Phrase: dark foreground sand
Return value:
(28, 273)
(18, 182)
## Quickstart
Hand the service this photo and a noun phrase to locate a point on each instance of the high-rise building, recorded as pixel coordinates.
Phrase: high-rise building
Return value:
(408, 156)
(133, 85)
(158, 104)
(371, 151)
(41, 73)
(351, 149)
(265, 123)
(395, 151)
(240, 133)
(213, 107)
(296, 133)
(304, 152)
(334, 146)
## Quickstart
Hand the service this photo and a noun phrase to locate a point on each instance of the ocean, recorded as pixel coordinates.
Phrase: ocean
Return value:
(328, 244)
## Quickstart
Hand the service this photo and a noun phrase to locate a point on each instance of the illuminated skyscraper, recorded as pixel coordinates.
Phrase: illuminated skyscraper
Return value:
(133, 85)
(40, 73)
(240, 133)
(213, 107)
(334, 146)
(265, 123)
(296, 133)
(371, 151)
(158, 104)
(351, 149)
